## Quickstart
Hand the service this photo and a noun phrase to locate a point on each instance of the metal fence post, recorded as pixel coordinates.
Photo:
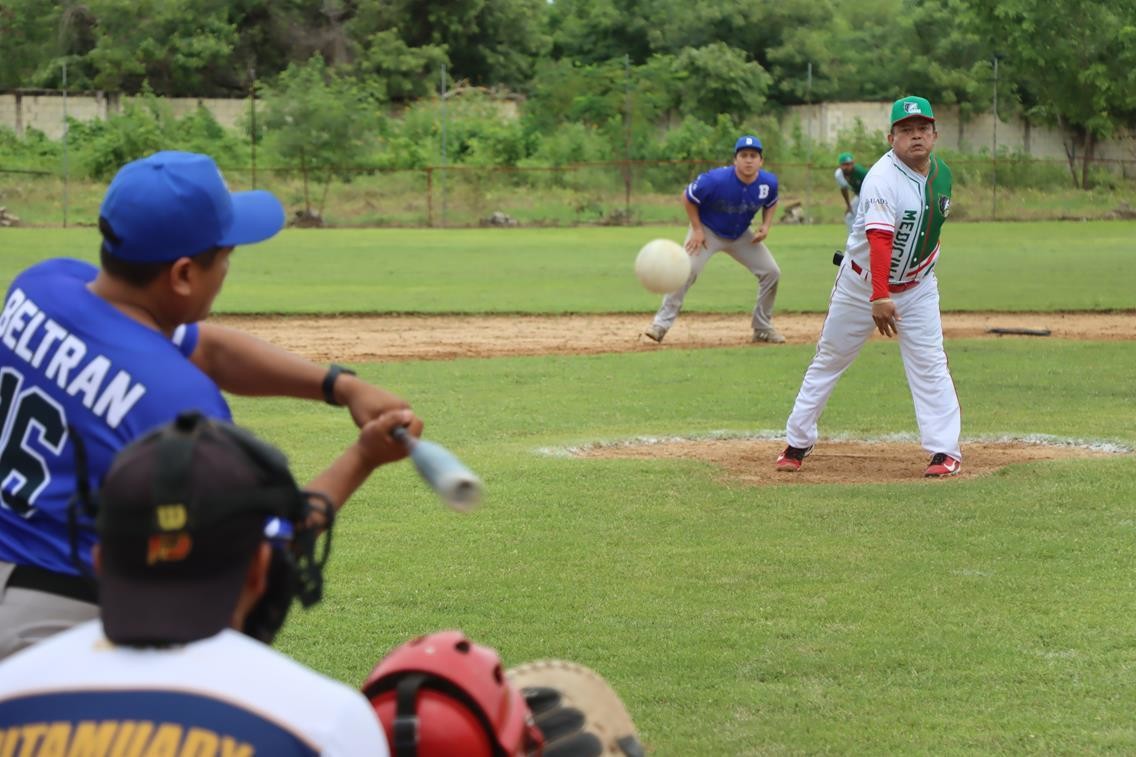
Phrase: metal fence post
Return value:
(994, 182)
(66, 168)
(442, 175)
(809, 144)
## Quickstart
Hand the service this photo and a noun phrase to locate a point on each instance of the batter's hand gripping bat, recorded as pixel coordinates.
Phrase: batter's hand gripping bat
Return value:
(456, 484)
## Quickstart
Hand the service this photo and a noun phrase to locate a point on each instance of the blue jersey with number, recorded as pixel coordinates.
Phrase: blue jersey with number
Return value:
(68, 358)
(726, 206)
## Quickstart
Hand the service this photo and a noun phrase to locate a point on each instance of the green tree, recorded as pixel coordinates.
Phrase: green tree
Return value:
(271, 34)
(395, 71)
(320, 121)
(32, 40)
(718, 79)
(137, 131)
(567, 91)
(181, 47)
(592, 31)
(1073, 63)
(488, 42)
(949, 61)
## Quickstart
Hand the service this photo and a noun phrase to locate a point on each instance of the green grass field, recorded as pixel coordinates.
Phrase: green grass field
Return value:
(1009, 266)
(978, 616)
(570, 197)
(935, 617)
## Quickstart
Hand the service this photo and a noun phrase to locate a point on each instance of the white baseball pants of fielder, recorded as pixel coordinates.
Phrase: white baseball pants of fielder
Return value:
(848, 326)
(850, 216)
(757, 259)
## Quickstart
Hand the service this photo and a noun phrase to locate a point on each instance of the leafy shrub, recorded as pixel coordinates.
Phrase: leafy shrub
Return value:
(199, 131)
(104, 146)
(867, 146)
(34, 152)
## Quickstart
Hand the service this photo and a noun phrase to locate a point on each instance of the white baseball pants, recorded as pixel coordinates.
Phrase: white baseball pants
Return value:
(757, 259)
(28, 616)
(850, 216)
(848, 326)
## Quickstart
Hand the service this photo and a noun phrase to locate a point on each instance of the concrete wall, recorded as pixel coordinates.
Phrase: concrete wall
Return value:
(823, 122)
(44, 111)
(20, 111)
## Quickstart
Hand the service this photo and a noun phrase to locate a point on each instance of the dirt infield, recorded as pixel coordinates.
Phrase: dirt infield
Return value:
(436, 337)
(839, 462)
(416, 337)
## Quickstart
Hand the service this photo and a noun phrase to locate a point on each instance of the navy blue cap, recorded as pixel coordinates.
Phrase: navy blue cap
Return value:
(176, 204)
(747, 141)
(181, 512)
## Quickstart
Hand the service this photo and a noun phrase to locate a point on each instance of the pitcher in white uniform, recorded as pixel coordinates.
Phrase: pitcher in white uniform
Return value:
(887, 281)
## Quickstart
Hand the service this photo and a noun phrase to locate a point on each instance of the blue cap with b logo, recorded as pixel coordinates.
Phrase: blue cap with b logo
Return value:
(747, 142)
(172, 205)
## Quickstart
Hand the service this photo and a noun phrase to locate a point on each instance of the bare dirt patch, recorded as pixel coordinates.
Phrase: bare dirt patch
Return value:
(438, 337)
(838, 462)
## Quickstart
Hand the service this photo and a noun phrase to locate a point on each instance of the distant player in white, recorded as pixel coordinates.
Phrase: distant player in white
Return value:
(849, 180)
(887, 281)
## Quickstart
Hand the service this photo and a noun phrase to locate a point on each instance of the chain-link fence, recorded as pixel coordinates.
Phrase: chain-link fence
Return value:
(615, 193)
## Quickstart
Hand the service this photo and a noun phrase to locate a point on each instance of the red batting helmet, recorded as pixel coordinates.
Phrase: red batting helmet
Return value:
(441, 694)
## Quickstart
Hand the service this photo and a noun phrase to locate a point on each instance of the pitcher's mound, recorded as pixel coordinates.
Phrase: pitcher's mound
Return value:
(840, 462)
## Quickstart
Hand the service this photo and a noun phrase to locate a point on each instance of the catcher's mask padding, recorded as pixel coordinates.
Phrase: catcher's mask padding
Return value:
(219, 476)
(441, 694)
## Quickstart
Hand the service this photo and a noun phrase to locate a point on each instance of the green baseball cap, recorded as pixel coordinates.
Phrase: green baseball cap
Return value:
(844, 157)
(911, 107)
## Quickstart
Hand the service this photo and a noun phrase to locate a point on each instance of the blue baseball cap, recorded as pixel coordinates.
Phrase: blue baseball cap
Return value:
(176, 204)
(747, 142)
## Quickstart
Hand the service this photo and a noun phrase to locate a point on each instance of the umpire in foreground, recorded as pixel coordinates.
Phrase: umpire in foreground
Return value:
(202, 535)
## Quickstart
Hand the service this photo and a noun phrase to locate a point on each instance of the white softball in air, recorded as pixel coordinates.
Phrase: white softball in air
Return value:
(662, 266)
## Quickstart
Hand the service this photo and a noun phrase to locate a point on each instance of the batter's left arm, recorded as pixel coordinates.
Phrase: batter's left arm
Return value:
(766, 220)
(242, 364)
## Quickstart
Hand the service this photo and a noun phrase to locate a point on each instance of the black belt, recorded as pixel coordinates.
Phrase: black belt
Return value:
(50, 582)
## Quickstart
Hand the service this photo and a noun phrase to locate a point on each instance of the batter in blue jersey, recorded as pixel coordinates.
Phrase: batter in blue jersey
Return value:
(721, 205)
(70, 358)
(101, 355)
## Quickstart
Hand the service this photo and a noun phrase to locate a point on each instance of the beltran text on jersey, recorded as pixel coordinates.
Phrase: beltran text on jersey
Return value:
(66, 360)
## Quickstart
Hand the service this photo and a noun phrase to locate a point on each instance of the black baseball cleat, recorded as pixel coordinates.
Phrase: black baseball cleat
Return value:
(791, 458)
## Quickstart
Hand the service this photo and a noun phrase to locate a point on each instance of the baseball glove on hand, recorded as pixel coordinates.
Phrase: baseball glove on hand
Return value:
(577, 712)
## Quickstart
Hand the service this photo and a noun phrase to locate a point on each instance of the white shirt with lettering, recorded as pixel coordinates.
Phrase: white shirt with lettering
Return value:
(76, 693)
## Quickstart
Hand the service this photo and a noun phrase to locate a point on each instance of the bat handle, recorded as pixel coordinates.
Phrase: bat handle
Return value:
(401, 435)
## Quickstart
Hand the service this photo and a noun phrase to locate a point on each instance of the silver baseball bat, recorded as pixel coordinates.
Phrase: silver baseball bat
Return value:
(456, 484)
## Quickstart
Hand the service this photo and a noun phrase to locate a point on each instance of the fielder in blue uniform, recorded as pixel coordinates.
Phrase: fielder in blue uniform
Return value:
(101, 355)
(721, 205)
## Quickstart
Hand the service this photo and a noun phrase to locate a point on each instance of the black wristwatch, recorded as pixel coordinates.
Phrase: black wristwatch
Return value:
(333, 372)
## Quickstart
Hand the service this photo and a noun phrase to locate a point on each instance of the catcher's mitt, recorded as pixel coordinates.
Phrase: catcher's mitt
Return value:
(576, 710)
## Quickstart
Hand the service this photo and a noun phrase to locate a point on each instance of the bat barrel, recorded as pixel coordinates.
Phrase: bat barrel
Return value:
(454, 483)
